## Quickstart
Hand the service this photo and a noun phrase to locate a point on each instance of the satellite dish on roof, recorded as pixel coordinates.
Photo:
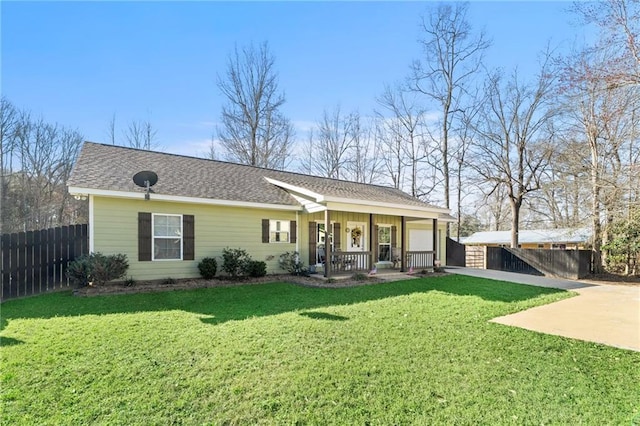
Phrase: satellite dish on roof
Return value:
(145, 179)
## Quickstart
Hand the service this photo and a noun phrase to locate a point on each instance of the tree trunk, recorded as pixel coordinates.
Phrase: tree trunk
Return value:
(515, 222)
(596, 257)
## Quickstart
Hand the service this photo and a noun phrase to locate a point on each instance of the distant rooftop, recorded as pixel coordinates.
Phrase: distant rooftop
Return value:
(533, 236)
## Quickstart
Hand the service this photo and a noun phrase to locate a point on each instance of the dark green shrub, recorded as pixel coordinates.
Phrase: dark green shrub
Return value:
(256, 268)
(208, 267)
(97, 268)
(234, 262)
(129, 282)
(80, 271)
(169, 280)
(290, 262)
(359, 276)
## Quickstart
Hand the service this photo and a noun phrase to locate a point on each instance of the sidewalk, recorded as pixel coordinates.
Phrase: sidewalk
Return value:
(604, 314)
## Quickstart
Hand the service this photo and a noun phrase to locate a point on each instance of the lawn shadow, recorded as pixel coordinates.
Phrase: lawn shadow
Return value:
(223, 304)
(323, 316)
(9, 341)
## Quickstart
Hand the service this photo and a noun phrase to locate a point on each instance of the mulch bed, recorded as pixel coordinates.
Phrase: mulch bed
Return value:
(186, 284)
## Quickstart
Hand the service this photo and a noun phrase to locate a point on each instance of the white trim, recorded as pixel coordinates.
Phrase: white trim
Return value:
(308, 205)
(153, 236)
(282, 221)
(318, 197)
(74, 190)
(91, 223)
(384, 225)
(383, 204)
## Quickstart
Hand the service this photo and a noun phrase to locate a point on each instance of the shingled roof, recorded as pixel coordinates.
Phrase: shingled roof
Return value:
(110, 167)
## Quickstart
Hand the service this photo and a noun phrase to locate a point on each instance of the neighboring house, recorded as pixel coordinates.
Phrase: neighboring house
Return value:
(554, 239)
(198, 207)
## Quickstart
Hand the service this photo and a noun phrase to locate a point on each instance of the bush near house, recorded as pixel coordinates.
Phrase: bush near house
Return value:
(238, 263)
(97, 268)
(208, 267)
(256, 268)
(290, 262)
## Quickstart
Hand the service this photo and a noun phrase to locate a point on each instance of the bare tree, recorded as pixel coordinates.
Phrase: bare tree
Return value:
(512, 150)
(331, 149)
(619, 22)
(254, 131)
(111, 129)
(465, 134)
(46, 153)
(212, 151)
(403, 120)
(8, 122)
(141, 135)
(365, 166)
(452, 57)
(598, 112)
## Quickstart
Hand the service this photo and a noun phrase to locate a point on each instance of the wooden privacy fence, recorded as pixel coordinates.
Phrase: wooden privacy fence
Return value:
(36, 261)
(572, 264)
(455, 253)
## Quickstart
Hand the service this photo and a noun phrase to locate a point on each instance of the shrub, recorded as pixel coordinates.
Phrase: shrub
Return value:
(256, 268)
(208, 267)
(290, 262)
(97, 268)
(129, 282)
(359, 276)
(80, 271)
(235, 262)
(169, 280)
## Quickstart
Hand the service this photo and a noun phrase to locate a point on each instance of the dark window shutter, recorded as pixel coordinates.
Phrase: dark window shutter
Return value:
(293, 229)
(188, 237)
(144, 237)
(312, 242)
(265, 230)
(337, 236)
(394, 236)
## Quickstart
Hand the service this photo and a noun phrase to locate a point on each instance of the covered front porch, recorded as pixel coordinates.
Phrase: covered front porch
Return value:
(347, 228)
(370, 242)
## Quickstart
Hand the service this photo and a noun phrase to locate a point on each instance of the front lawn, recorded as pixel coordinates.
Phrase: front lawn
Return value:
(413, 352)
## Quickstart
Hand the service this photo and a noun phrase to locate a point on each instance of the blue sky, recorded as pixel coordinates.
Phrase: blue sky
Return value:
(78, 63)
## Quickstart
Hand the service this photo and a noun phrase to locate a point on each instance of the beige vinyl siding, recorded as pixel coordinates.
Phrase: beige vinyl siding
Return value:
(342, 218)
(115, 229)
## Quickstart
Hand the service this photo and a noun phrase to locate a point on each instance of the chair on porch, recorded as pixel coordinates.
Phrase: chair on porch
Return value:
(320, 255)
(396, 256)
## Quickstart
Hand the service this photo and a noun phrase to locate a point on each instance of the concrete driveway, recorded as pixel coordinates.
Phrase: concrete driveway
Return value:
(606, 314)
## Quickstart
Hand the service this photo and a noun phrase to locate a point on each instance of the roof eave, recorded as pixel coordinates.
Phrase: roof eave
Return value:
(75, 190)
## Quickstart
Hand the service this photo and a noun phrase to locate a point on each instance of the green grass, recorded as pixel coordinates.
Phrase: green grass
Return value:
(414, 352)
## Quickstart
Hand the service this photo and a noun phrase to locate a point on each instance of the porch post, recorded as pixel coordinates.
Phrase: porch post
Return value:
(371, 230)
(327, 244)
(435, 240)
(403, 244)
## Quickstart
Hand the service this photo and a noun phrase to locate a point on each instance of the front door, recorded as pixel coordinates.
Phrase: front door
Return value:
(356, 236)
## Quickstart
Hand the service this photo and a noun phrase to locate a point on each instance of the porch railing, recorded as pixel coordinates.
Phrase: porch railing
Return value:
(420, 259)
(350, 261)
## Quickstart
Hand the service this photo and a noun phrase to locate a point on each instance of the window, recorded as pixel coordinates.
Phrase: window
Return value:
(279, 231)
(384, 243)
(167, 237)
